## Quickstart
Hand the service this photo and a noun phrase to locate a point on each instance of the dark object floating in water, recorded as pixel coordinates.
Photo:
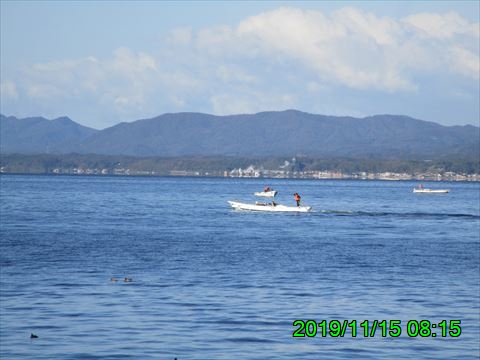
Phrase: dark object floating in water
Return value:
(127, 279)
(33, 336)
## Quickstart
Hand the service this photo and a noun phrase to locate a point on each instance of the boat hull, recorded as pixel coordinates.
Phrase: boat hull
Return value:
(431, 191)
(268, 207)
(270, 193)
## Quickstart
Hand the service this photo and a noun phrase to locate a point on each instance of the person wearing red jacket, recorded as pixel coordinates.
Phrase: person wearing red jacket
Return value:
(297, 198)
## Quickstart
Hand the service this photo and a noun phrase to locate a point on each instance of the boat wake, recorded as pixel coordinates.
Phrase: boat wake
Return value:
(408, 215)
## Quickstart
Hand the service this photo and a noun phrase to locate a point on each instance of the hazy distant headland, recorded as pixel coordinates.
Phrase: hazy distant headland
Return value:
(201, 143)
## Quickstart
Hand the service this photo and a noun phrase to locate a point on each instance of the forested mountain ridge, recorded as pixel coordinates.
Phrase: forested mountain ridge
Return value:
(35, 135)
(282, 133)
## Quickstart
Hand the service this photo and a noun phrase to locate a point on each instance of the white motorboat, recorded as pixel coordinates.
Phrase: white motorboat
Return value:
(272, 207)
(430, 191)
(270, 193)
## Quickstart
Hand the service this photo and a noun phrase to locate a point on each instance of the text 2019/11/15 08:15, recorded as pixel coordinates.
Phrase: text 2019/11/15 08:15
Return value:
(384, 328)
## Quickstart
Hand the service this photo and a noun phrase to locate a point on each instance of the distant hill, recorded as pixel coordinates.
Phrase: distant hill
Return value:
(283, 133)
(38, 135)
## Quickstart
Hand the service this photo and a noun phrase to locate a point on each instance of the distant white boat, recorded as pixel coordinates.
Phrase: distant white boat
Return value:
(430, 191)
(270, 193)
(268, 207)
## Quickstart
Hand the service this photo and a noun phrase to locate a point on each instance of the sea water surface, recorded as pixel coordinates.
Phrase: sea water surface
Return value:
(209, 282)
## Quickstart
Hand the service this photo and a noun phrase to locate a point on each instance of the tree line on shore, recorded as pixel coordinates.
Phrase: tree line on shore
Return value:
(162, 166)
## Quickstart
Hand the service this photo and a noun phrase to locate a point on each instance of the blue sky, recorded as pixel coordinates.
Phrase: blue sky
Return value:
(104, 62)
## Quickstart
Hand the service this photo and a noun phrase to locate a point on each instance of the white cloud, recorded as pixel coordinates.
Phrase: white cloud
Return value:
(127, 62)
(442, 26)
(234, 73)
(314, 87)
(43, 91)
(349, 48)
(285, 58)
(367, 26)
(180, 36)
(214, 36)
(226, 104)
(359, 49)
(243, 103)
(177, 102)
(465, 61)
(8, 89)
(122, 81)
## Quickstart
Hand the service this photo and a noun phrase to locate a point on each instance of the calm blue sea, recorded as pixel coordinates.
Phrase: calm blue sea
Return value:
(212, 283)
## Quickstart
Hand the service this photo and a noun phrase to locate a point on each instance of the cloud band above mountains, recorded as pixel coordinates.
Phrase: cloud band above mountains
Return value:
(284, 58)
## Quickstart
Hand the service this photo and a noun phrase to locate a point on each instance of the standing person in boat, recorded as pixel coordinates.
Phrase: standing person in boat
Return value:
(267, 189)
(297, 198)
